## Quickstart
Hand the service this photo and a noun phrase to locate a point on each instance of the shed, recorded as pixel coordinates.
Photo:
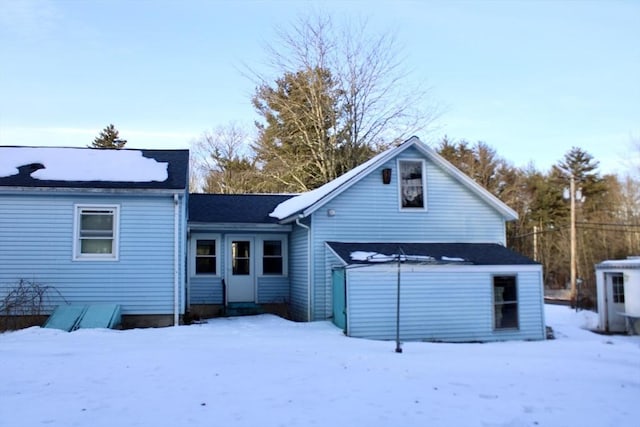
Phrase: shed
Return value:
(453, 292)
(618, 289)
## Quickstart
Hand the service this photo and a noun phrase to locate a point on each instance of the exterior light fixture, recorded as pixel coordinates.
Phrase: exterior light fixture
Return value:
(386, 175)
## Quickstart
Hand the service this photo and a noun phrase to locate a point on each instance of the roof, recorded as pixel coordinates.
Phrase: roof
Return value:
(234, 208)
(631, 262)
(67, 167)
(306, 203)
(433, 253)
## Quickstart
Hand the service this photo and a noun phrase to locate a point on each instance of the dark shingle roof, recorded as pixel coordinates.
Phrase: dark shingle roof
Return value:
(178, 165)
(472, 253)
(234, 208)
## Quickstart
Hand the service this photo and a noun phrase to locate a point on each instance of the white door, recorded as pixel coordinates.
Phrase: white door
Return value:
(614, 302)
(241, 275)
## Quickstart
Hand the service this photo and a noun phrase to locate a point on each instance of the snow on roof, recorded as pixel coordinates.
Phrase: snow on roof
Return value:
(304, 200)
(76, 164)
(630, 262)
(378, 257)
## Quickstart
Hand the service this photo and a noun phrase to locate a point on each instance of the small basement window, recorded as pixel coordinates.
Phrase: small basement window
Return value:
(96, 232)
(505, 302)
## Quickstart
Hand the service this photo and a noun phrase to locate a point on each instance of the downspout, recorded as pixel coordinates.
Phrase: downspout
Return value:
(176, 264)
(308, 265)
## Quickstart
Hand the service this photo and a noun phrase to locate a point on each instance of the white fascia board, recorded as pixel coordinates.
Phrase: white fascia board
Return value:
(75, 191)
(451, 268)
(355, 179)
(237, 226)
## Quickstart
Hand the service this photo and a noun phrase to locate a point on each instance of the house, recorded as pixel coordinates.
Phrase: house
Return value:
(618, 290)
(462, 284)
(405, 220)
(97, 226)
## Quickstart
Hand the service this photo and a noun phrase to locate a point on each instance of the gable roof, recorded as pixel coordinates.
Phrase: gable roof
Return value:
(307, 203)
(432, 253)
(67, 167)
(234, 208)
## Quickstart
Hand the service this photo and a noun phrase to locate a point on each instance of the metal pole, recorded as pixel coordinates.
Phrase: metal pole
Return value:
(572, 194)
(398, 348)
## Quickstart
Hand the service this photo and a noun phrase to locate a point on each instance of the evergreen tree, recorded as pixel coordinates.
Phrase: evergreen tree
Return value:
(109, 138)
(298, 146)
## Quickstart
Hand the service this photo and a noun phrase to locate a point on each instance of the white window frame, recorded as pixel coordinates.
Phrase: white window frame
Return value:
(194, 254)
(260, 252)
(423, 168)
(515, 302)
(78, 210)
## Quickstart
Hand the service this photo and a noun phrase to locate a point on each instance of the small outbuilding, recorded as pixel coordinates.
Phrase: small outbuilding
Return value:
(454, 292)
(618, 287)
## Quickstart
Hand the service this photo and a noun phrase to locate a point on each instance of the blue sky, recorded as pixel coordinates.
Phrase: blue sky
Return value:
(530, 78)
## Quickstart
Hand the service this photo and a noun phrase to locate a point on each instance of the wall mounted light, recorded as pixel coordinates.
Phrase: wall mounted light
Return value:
(331, 212)
(386, 176)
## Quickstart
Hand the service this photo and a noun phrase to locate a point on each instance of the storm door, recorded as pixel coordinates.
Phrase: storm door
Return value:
(240, 274)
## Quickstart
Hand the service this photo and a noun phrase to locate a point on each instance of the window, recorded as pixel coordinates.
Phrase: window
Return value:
(617, 281)
(241, 257)
(272, 257)
(505, 302)
(96, 233)
(206, 257)
(412, 184)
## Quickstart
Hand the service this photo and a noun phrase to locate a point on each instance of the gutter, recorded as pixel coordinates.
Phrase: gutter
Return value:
(176, 265)
(308, 264)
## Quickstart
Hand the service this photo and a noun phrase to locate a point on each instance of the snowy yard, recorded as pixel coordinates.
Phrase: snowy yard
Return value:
(265, 371)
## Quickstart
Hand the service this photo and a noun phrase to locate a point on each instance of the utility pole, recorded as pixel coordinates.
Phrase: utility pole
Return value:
(572, 195)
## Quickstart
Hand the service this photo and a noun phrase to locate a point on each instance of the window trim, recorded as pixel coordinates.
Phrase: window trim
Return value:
(77, 247)
(260, 254)
(423, 167)
(516, 302)
(617, 288)
(194, 253)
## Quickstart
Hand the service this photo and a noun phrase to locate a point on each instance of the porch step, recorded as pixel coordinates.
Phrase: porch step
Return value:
(243, 309)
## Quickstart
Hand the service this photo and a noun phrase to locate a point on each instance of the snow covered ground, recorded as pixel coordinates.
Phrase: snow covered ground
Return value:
(266, 371)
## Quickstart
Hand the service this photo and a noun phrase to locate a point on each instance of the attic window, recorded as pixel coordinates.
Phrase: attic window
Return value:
(412, 189)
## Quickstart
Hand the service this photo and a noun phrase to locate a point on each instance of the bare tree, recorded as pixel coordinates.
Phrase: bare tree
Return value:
(222, 161)
(338, 93)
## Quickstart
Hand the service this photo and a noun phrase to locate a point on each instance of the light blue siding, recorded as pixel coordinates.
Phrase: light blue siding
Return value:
(299, 273)
(206, 290)
(369, 212)
(273, 290)
(36, 244)
(439, 303)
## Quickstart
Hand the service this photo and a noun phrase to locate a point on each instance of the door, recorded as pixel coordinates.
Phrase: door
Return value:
(614, 302)
(241, 275)
(339, 299)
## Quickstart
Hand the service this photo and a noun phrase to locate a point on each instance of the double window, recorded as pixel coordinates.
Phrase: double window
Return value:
(96, 232)
(412, 188)
(505, 302)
